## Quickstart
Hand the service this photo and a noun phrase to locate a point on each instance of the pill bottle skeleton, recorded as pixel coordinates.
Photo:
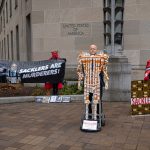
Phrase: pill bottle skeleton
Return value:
(90, 66)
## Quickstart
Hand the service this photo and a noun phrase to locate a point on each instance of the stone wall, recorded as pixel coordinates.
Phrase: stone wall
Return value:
(67, 26)
(17, 18)
(137, 35)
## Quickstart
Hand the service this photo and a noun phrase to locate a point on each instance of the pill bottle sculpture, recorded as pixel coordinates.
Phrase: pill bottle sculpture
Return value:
(13, 76)
(88, 70)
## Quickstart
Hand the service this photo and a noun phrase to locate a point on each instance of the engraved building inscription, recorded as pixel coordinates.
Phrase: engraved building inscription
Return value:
(75, 29)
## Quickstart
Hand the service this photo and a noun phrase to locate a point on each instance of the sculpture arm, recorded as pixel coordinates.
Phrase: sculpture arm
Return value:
(106, 77)
(80, 74)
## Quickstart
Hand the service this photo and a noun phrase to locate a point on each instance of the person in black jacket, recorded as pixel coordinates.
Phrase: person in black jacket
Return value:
(54, 86)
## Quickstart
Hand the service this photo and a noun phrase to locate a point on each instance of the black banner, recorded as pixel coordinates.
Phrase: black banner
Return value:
(3, 73)
(52, 71)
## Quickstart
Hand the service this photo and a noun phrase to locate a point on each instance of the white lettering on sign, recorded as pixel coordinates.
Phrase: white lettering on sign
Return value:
(138, 101)
(65, 25)
(73, 29)
(41, 68)
(42, 73)
(55, 65)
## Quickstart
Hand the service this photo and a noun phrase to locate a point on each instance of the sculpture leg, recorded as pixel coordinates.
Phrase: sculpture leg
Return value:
(94, 111)
(87, 102)
(90, 104)
(86, 111)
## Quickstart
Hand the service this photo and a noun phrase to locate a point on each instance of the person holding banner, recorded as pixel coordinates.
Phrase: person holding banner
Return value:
(54, 86)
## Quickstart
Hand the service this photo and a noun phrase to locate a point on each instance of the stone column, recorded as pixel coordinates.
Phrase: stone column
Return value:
(119, 71)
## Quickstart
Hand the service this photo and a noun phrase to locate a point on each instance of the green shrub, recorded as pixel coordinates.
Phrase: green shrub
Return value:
(66, 90)
(70, 90)
(37, 91)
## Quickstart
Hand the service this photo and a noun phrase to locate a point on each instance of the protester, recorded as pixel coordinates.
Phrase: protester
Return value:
(147, 71)
(54, 86)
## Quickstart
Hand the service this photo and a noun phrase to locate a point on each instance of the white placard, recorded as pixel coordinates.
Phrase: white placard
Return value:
(66, 99)
(89, 125)
(59, 99)
(53, 99)
(39, 99)
(45, 99)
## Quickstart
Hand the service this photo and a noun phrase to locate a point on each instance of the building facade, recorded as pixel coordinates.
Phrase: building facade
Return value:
(14, 32)
(31, 29)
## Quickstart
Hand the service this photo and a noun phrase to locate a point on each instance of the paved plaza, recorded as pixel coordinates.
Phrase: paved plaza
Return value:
(56, 126)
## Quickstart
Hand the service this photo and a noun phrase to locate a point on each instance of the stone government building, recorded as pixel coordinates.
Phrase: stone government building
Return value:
(30, 29)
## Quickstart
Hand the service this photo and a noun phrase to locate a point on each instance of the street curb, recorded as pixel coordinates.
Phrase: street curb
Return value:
(20, 99)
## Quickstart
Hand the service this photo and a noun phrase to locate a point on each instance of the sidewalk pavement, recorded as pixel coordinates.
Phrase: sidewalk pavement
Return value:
(56, 126)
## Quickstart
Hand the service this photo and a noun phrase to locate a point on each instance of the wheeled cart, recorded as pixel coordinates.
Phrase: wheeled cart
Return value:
(92, 123)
